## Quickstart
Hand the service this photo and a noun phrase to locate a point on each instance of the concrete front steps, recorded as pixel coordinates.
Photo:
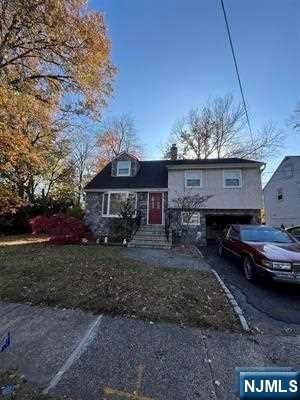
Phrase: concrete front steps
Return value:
(151, 237)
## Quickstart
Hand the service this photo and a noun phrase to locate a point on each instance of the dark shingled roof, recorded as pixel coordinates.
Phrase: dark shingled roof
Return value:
(152, 174)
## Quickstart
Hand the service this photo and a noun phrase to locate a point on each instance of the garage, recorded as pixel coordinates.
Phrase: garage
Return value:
(215, 224)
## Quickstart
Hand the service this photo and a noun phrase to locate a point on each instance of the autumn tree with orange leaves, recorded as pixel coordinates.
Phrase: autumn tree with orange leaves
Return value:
(117, 135)
(54, 65)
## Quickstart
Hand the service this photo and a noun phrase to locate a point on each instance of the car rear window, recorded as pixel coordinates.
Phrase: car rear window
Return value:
(265, 235)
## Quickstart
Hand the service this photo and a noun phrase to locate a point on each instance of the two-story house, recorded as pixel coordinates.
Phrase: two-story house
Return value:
(234, 186)
(282, 194)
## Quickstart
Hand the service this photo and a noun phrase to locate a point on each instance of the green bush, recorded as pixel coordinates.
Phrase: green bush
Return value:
(125, 226)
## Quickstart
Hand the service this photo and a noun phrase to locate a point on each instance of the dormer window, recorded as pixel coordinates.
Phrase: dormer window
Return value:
(123, 168)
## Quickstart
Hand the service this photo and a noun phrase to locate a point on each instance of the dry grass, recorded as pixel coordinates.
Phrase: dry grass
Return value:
(99, 279)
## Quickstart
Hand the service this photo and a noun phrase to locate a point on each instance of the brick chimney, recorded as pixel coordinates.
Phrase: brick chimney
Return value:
(173, 152)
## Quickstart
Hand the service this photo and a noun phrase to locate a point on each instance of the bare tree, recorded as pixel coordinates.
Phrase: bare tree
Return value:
(59, 176)
(228, 122)
(218, 130)
(295, 120)
(83, 155)
(117, 135)
(261, 146)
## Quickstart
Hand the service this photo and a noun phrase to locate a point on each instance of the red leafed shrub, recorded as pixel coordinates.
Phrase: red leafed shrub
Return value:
(61, 228)
(39, 224)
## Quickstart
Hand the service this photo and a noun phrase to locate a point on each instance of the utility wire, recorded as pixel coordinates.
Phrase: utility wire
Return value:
(237, 69)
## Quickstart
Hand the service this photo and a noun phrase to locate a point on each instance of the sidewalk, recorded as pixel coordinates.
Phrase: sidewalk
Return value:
(117, 355)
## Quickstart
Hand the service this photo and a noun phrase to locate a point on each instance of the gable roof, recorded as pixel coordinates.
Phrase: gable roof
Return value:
(277, 170)
(152, 174)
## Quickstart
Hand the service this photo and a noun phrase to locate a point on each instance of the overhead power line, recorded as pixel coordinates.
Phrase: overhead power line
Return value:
(237, 69)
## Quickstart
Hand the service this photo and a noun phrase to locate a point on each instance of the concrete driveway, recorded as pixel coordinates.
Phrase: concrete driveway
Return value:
(268, 307)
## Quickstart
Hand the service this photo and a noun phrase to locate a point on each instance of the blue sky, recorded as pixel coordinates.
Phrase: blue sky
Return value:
(173, 55)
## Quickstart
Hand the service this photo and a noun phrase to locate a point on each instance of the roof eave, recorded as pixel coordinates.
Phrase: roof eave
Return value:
(257, 164)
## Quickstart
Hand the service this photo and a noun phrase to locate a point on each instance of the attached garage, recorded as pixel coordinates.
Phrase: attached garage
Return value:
(216, 223)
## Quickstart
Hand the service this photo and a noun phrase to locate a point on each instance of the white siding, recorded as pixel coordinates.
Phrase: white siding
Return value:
(287, 210)
(249, 196)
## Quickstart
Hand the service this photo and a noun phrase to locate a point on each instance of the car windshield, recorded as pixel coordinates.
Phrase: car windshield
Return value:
(265, 235)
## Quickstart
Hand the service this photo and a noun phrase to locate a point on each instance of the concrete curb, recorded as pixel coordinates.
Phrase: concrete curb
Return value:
(236, 308)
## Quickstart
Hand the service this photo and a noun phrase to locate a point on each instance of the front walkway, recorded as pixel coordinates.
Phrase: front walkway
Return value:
(166, 259)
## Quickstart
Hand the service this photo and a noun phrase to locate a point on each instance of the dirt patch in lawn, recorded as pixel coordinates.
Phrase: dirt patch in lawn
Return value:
(99, 279)
(22, 239)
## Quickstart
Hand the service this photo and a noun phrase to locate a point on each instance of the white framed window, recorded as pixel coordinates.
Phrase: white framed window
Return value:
(193, 179)
(279, 194)
(188, 219)
(232, 178)
(123, 168)
(111, 204)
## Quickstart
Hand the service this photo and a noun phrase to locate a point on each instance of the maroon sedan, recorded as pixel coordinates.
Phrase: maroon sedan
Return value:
(264, 251)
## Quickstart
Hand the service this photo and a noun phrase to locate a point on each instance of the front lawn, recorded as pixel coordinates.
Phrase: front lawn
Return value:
(99, 279)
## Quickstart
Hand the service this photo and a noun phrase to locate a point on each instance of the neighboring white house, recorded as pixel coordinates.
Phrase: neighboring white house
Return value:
(282, 194)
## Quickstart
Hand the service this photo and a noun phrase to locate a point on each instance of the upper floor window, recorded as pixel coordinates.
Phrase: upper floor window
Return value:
(279, 194)
(123, 168)
(193, 179)
(232, 178)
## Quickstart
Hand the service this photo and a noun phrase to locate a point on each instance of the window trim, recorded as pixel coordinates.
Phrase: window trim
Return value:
(108, 215)
(191, 224)
(199, 172)
(129, 168)
(239, 171)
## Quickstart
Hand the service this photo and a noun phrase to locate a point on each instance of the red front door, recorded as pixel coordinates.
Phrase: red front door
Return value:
(155, 208)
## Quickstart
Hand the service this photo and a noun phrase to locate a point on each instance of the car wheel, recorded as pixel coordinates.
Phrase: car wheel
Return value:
(248, 269)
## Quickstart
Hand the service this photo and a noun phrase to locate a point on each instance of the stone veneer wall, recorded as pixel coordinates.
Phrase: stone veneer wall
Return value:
(102, 225)
(142, 204)
(93, 214)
